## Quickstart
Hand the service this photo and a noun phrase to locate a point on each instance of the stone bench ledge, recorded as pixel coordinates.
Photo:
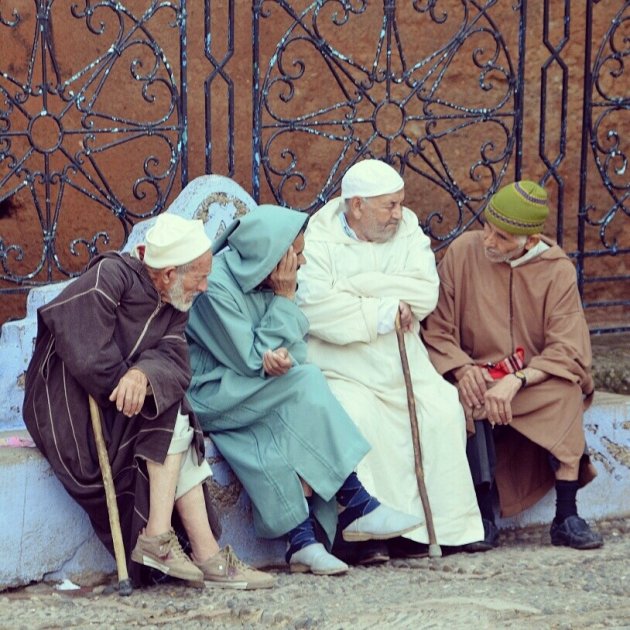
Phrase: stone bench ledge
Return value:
(46, 535)
(611, 362)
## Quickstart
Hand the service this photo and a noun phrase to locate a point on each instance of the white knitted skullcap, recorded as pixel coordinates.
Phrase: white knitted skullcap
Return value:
(370, 178)
(174, 241)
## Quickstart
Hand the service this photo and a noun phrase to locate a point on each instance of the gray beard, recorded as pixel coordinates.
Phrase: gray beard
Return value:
(176, 297)
(504, 258)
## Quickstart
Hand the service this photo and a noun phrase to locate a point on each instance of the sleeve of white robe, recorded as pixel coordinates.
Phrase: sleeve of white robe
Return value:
(346, 310)
(334, 315)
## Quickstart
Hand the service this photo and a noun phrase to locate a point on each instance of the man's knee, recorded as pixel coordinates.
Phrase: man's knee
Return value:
(308, 382)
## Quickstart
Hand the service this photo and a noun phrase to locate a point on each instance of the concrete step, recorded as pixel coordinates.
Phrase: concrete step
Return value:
(46, 535)
(607, 425)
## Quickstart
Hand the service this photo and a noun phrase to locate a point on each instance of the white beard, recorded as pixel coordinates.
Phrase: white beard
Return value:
(177, 298)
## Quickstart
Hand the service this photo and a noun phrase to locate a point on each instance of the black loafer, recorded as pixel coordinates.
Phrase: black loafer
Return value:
(400, 547)
(364, 553)
(490, 539)
(371, 552)
(574, 532)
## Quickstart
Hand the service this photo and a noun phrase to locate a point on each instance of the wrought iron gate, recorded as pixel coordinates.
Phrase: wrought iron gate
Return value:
(101, 124)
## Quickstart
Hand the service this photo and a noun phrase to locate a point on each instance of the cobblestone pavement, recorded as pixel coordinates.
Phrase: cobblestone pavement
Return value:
(525, 583)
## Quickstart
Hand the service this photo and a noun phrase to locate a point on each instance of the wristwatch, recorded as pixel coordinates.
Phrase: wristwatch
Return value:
(520, 375)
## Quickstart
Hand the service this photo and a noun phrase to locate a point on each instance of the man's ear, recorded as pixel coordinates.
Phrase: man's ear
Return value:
(532, 241)
(355, 207)
(168, 275)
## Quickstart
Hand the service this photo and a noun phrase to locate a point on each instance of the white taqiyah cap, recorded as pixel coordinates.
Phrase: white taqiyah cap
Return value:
(370, 178)
(175, 241)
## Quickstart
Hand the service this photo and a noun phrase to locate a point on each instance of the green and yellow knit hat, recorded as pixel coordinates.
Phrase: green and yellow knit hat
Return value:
(518, 208)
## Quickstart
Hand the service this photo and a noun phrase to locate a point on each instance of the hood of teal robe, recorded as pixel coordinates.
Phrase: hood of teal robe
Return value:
(257, 242)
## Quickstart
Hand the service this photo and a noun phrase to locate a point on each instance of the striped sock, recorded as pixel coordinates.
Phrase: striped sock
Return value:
(300, 537)
(355, 499)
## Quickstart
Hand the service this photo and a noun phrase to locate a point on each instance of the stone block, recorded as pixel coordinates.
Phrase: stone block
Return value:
(607, 426)
(47, 536)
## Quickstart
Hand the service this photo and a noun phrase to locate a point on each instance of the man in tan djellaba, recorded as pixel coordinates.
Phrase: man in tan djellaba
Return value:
(510, 332)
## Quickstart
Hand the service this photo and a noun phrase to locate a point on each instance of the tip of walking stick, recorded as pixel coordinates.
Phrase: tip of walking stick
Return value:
(125, 588)
(435, 551)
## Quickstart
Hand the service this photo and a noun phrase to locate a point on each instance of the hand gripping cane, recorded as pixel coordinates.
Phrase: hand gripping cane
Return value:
(124, 583)
(434, 548)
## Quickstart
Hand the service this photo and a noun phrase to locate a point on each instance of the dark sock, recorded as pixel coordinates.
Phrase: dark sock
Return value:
(355, 499)
(485, 501)
(565, 500)
(300, 537)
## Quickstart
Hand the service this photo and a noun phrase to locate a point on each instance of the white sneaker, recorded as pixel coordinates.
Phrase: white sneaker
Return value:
(381, 524)
(317, 560)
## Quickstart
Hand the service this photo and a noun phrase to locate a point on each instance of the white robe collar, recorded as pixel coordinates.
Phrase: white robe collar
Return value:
(346, 228)
(534, 252)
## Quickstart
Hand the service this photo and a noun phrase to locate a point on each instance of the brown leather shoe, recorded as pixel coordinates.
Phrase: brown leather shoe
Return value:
(372, 552)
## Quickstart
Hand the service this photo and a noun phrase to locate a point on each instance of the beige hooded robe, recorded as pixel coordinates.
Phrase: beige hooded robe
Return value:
(485, 311)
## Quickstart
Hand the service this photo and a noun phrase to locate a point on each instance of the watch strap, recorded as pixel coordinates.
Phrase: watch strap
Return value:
(520, 375)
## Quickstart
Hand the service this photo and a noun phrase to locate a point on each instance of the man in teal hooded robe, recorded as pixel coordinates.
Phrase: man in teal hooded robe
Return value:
(270, 414)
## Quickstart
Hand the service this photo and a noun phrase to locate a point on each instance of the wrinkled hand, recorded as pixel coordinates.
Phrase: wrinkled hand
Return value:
(406, 317)
(472, 383)
(276, 362)
(473, 413)
(498, 400)
(283, 279)
(130, 392)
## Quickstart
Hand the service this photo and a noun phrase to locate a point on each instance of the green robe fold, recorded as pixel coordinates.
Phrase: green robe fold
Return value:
(271, 430)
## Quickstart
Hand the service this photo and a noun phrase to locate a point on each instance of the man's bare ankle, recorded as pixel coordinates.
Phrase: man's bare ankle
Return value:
(205, 555)
(152, 531)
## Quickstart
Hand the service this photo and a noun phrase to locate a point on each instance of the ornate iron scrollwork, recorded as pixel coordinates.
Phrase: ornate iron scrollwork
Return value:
(610, 107)
(391, 101)
(64, 119)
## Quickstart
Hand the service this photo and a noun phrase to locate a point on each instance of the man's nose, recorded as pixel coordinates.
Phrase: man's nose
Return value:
(397, 212)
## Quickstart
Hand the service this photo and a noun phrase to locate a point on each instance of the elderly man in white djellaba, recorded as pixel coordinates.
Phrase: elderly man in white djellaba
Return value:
(368, 261)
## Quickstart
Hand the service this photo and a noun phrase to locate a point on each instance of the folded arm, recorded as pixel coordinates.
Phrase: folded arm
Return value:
(349, 309)
(220, 324)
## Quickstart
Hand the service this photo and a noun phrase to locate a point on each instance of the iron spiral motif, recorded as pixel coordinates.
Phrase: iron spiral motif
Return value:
(385, 94)
(610, 115)
(67, 111)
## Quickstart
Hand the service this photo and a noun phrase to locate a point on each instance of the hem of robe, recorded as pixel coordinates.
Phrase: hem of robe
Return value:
(507, 510)
(550, 412)
(465, 534)
(324, 488)
(273, 436)
(457, 523)
(586, 474)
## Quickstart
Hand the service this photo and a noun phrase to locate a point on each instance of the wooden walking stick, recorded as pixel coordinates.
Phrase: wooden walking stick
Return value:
(124, 583)
(434, 548)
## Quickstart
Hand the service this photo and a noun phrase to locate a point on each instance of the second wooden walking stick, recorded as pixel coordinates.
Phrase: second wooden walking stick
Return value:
(124, 583)
(434, 548)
